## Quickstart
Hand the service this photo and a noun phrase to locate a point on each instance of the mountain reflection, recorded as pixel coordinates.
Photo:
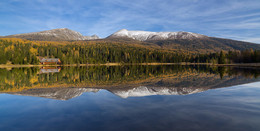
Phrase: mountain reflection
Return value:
(64, 83)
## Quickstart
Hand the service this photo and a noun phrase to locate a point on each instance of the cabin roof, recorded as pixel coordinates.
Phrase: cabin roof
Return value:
(50, 60)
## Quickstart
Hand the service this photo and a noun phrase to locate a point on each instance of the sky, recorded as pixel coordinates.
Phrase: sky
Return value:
(233, 19)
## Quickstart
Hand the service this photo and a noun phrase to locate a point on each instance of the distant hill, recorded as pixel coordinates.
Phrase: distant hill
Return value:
(62, 34)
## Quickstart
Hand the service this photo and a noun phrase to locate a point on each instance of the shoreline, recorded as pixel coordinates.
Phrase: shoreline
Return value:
(123, 64)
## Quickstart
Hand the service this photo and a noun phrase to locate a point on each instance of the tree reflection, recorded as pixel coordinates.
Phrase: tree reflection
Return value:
(18, 79)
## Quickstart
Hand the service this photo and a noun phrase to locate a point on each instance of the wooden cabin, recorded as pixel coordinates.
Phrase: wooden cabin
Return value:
(50, 61)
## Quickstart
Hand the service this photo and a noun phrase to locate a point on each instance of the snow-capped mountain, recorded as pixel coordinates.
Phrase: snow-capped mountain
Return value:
(146, 35)
(185, 41)
(61, 34)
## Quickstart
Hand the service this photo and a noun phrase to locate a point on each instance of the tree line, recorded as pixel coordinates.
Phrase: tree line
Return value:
(19, 51)
(246, 56)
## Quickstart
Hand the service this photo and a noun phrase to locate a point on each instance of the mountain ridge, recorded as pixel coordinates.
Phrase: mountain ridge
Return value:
(173, 41)
(60, 34)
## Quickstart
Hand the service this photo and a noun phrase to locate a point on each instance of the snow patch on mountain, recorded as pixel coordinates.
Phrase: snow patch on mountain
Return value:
(146, 35)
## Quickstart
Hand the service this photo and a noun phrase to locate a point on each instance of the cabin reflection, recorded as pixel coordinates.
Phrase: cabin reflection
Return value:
(46, 70)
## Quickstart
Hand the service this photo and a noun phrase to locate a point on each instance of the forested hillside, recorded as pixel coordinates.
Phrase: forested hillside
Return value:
(19, 51)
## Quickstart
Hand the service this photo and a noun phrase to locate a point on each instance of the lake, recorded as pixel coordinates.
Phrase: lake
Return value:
(171, 97)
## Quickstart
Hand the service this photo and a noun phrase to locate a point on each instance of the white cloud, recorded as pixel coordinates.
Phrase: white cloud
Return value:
(101, 17)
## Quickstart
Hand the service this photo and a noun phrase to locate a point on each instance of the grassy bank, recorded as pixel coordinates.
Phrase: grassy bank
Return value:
(121, 64)
(106, 64)
(233, 64)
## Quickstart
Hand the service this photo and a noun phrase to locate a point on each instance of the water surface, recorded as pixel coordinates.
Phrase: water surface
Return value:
(130, 98)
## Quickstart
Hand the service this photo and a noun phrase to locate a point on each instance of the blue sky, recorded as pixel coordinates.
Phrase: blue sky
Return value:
(234, 19)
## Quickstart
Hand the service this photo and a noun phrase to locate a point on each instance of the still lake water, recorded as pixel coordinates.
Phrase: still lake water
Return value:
(130, 98)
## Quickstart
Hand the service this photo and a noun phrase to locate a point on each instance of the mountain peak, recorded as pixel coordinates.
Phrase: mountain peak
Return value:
(61, 29)
(123, 30)
(147, 35)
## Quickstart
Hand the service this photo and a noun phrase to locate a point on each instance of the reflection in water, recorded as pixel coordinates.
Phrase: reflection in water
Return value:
(123, 81)
(168, 106)
(49, 70)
